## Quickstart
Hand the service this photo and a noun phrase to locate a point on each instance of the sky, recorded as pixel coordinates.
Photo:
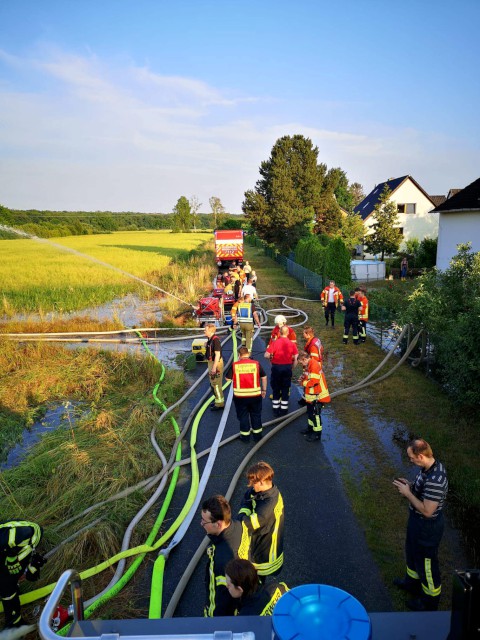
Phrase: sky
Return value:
(127, 105)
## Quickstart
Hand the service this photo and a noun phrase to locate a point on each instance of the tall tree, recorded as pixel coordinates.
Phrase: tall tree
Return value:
(182, 217)
(218, 211)
(385, 237)
(282, 206)
(195, 205)
(358, 195)
(328, 216)
(352, 230)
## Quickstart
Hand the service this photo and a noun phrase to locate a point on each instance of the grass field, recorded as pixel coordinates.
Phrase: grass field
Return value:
(420, 408)
(40, 277)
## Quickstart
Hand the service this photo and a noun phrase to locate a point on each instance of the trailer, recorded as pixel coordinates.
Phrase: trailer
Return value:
(228, 248)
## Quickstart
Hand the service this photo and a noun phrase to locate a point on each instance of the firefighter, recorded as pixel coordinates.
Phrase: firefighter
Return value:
(228, 540)
(251, 597)
(313, 345)
(244, 314)
(281, 321)
(351, 308)
(262, 514)
(213, 355)
(248, 288)
(19, 559)
(331, 298)
(426, 496)
(249, 388)
(283, 354)
(362, 315)
(316, 394)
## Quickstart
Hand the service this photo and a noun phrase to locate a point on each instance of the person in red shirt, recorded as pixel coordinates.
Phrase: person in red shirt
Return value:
(283, 354)
(331, 298)
(281, 321)
(313, 345)
(316, 395)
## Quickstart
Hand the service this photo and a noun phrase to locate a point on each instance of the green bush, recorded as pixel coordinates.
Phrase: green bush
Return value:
(337, 262)
(310, 253)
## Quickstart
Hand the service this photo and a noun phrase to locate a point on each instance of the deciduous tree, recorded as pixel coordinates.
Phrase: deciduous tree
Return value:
(195, 205)
(386, 237)
(351, 230)
(182, 217)
(218, 211)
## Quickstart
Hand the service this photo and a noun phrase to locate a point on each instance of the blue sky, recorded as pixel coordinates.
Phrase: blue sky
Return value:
(129, 104)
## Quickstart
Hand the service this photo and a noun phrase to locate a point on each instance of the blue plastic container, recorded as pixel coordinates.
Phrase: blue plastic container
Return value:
(320, 612)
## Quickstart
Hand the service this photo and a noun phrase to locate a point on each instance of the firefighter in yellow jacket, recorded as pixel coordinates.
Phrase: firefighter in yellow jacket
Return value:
(244, 314)
(18, 560)
(316, 395)
(262, 513)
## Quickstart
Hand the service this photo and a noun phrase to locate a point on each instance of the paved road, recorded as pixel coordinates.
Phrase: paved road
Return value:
(323, 541)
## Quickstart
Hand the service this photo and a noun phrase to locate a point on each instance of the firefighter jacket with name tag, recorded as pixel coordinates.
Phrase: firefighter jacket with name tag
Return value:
(262, 514)
(314, 383)
(263, 601)
(18, 540)
(231, 543)
(246, 375)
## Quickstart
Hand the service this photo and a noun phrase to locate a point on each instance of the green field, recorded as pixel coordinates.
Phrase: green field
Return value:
(40, 277)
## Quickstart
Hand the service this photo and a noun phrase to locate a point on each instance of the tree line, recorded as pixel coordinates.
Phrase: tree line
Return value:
(49, 224)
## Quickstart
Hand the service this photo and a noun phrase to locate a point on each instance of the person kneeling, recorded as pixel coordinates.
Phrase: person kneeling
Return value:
(253, 598)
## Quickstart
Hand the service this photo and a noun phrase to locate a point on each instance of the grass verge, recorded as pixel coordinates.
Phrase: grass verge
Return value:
(418, 407)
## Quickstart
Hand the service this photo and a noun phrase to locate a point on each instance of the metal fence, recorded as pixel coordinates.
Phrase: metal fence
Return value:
(310, 280)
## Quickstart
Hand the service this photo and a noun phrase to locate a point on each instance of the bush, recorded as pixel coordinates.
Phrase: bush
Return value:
(337, 262)
(310, 253)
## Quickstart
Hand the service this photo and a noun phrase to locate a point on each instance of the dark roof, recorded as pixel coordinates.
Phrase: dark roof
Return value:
(367, 205)
(467, 199)
(438, 200)
(452, 192)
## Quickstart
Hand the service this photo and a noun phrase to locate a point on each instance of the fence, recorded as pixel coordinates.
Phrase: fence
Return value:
(310, 280)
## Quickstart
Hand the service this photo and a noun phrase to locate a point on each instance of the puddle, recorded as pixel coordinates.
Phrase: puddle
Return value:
(385, 336)
(64, 415)
(130, 310)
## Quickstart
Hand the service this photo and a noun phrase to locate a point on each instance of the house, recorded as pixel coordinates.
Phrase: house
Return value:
(459, 222)
(415, 216)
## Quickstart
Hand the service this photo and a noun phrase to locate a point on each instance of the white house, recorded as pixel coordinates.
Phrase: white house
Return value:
(459, 223)
(416, 215)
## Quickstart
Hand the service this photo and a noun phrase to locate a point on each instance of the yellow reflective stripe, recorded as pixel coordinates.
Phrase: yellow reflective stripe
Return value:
(248, 392)
(315, 376)
(211, 585)
(278, 510)
(413, 574)
(430, 588)
(277, 594)
(221, 581)
(266, 568)
(246, 511)
(244, 547)
(254, 521)
(25, 552)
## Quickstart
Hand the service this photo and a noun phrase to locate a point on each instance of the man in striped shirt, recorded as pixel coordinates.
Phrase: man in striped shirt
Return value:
(426, 495)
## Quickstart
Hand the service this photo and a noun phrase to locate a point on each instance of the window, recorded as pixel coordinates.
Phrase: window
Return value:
(410, 207)
(400, 230)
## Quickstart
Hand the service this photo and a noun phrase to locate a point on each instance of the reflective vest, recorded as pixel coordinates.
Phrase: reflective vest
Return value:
(337, 296)
(246, 378)
(314, 348)
(244, 312)
(18, 540)
(315, 384)
(363, 312)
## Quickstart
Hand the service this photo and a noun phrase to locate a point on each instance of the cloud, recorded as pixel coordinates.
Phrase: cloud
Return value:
(85, 132)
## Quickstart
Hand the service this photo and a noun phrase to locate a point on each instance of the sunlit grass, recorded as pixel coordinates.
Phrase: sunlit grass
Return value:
(39, 277)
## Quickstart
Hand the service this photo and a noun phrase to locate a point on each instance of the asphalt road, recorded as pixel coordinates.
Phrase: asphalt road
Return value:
(323, 541)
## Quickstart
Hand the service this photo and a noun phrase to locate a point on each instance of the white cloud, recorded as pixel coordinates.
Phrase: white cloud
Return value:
(102, 134)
